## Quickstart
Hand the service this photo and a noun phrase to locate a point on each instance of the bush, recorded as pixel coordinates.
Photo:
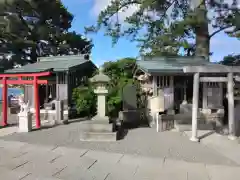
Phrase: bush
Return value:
(121, 73)
(85, 101)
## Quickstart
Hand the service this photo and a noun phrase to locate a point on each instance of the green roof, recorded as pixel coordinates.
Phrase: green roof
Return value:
(55, 63)
(169, 64)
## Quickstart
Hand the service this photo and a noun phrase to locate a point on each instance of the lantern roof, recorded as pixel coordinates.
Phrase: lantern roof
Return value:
(100, 77)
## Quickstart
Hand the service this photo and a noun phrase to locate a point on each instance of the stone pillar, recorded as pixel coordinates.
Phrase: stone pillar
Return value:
(101, 105)
(59, 112)
(231, 120)
(195, 107)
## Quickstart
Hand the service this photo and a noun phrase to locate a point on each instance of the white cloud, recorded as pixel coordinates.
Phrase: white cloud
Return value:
(100, 5)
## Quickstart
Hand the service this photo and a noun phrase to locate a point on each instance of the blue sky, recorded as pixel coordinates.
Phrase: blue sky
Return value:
(85, 12)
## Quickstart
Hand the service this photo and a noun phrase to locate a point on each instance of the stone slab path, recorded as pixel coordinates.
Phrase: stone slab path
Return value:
(141, 141)
(58, 153)
(24, 161)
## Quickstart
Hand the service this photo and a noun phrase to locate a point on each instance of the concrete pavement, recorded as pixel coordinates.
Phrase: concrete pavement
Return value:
(19, 160)
(144, 142)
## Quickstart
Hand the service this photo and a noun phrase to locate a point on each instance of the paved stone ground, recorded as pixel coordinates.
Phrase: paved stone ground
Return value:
(57, 153)
(23, 161)
(142, 141)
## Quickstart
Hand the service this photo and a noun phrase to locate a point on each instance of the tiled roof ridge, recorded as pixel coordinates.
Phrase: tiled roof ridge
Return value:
(61, 58)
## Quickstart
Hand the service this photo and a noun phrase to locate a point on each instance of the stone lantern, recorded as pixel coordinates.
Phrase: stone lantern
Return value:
(100, 82)
(99, 129)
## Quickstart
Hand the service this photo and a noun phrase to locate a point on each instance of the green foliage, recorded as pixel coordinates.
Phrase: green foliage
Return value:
(121, 73)
(163, 27)
(231, 60)
(26, 24)
(85, 100)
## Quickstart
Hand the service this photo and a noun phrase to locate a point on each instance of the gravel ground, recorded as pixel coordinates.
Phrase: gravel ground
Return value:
(140, 141)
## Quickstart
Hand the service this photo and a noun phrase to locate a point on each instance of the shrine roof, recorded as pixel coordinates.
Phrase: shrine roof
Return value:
(170, 64)
(55, 64)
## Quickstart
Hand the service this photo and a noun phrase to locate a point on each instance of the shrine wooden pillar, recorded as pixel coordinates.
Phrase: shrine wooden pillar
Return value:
(231, 118)
(36, 100)
(195, 107)
(4, 102)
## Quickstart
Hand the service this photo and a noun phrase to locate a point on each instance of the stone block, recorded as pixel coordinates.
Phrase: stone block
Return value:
(25, 122)
(8, 131)
(76, 168)
(73, 162)
(166, 122)
(69, 151)
(97, 172)
(11, 144)
(172, 174)
(98, 136)
(98, 129)
(119, 176)
(193, 171)
(40, 177)
(99, 126)
(7, 174)
(223, 172)
(114, 171)
(148, 172)
(32, 148)
(136, 161)
(42, 169)
(39, 157)
(188, 127)
(183, 118)
(13, 163)
(101, 156)
(79, 174)
(130, 116)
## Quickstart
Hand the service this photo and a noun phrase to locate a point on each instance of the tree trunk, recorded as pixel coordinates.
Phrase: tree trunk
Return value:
(202, 34)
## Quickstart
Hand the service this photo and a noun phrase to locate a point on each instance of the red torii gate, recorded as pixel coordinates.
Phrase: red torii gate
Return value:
(5, 81)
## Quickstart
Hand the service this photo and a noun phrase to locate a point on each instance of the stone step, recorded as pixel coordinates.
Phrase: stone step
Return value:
(186, 119)
(96, 122)
(99, 127)
(98, 136)
(188, 127)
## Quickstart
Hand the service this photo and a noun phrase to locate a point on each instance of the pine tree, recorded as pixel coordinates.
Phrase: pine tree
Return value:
(33, 28)
(162, 27)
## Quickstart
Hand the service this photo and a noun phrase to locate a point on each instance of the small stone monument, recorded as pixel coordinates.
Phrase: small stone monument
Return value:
(25, 117)
(99, 128)
(130, 113)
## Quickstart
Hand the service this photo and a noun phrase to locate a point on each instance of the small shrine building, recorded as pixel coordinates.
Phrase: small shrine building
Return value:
(189, 85)
(49, 79)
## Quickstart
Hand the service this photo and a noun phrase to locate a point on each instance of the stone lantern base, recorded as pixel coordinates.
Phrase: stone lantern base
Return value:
(98, 129)
(98, 118)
